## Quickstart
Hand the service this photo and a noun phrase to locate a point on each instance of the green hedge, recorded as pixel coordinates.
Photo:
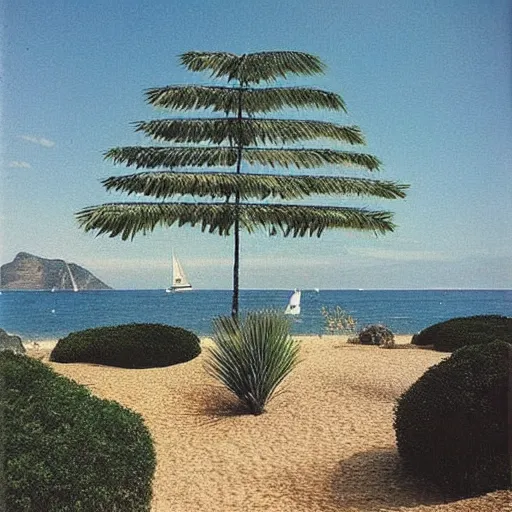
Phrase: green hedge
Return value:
(66, 450)
(452, 424)
(459, 332)
(128, 346)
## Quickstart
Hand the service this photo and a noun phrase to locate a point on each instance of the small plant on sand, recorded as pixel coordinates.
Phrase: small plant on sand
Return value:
(252, 356)
(338, 321)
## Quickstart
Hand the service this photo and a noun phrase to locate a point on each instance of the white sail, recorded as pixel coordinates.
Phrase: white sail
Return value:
(293, 307)
(73, 282)
(180, 281)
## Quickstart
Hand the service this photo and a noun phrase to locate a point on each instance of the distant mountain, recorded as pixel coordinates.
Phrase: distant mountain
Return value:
(29, 272)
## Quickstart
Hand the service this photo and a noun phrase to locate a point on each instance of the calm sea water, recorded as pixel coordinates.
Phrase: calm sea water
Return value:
(43, 315)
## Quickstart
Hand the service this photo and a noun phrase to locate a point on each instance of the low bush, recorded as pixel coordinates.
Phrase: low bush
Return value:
(252, 356)
(459, 332)
(128, 346)
(452, 424)
(377, 334)
(66, 450)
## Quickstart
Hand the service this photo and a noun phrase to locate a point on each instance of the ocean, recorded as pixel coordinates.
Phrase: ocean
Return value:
(38, 315)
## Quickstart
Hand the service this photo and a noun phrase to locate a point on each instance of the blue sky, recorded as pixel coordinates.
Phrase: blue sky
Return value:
(429, 83)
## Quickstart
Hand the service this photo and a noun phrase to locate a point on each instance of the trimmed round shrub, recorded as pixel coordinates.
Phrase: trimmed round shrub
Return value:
(459, 332)
(66, 450)
(377, 334)
(128, 346)
(452, 424)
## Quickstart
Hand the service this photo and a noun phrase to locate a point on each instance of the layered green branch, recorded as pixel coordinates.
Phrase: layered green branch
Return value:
(253, 67)
(226, 99)
(128, 219)
(163, 185)
(150, 157)
(247, 131)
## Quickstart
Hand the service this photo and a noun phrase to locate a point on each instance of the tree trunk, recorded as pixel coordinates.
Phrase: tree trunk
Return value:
(236, 269)
(236, 257)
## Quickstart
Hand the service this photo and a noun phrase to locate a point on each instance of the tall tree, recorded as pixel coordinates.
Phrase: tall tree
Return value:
(236, 133)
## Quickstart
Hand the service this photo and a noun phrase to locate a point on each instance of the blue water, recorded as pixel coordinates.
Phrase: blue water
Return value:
(43, 315)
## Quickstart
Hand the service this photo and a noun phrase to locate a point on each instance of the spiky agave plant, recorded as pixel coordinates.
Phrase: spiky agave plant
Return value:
(237, 134)
(252, 356)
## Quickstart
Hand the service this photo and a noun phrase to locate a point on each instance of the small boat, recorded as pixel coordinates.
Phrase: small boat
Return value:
(71, 277)
(293, 307)
(67, 278)
(179, 279)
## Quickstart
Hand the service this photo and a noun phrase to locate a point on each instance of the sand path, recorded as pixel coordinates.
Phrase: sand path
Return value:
(326, 443)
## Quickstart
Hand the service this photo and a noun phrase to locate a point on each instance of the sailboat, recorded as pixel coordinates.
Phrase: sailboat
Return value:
(63, 285)
(180, 282)
(73, 282)
(293, 307)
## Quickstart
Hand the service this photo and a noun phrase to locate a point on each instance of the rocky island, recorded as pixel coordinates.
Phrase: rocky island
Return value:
(29, 272)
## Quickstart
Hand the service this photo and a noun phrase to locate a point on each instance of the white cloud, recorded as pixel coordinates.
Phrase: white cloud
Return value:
(120, 263)
(19, 164)
(292, 260)
(136, 264)
(149, 264)
(400, 255)
(47, 143)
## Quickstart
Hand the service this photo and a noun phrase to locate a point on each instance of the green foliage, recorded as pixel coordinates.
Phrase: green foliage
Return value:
(377, 334)
(128, 346)
(452, 425)
(126, 219)
(459, 332)
(252, 356)
(256, 100)
(338, 321)
(253, 67)
(233, 131)
(167, 184)
(66, 450)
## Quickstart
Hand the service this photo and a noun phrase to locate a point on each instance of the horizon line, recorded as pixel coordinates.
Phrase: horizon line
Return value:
(269, 289)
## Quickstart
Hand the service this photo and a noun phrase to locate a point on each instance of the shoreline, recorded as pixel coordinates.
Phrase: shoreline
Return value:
(48, 344)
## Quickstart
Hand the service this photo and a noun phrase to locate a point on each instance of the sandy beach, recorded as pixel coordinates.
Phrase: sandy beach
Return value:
(325, 444)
